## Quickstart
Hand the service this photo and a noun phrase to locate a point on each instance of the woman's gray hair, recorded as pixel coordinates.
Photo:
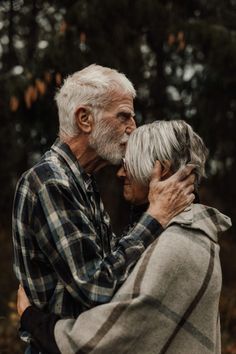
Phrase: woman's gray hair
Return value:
(174, 141)
(95, 87)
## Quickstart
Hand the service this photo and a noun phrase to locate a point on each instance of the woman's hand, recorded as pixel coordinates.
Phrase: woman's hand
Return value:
(22, 301)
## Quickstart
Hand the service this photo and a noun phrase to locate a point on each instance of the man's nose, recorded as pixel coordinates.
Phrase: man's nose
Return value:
(130, 126)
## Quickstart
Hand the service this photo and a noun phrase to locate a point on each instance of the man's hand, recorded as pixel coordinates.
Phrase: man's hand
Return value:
(170, 197)
(22, 301)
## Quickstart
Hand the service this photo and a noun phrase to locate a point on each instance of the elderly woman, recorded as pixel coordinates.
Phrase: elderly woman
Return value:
(169, 303)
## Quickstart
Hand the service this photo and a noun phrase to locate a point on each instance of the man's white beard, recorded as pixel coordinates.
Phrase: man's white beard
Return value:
(106, 142)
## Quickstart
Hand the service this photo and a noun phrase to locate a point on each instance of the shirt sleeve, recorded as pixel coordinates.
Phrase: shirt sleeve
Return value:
(67, 236)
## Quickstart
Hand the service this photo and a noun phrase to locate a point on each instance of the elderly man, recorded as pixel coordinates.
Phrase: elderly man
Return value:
(66, 256)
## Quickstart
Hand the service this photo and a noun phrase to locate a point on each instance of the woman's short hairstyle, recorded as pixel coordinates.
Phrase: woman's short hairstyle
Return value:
(95, 87)
(174, 141)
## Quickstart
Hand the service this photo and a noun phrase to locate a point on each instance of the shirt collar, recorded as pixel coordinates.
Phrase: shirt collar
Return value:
(64, 151)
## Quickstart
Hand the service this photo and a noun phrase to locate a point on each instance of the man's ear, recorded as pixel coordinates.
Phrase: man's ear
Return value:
(84, 119)
(166, 169)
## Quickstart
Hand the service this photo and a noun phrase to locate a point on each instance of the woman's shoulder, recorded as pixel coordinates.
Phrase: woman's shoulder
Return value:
(182, 246)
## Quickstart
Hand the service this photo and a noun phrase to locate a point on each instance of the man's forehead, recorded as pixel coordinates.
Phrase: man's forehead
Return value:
(123, 102)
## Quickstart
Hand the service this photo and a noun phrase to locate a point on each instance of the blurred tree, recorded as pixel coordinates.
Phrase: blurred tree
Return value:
(180, 56)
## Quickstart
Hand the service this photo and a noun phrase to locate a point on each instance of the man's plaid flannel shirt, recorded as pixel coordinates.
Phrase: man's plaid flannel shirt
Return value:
(65, 254)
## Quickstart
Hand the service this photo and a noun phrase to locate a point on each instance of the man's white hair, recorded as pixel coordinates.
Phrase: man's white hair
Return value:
(174, 141)
(95, 87)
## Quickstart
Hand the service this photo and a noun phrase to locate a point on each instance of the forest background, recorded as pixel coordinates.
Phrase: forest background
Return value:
(181, 57)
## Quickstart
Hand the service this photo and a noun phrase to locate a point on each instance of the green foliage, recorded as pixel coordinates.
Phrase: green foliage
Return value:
(180, 55)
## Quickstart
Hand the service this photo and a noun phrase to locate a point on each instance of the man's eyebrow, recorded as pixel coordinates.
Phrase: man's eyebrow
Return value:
(126, 114)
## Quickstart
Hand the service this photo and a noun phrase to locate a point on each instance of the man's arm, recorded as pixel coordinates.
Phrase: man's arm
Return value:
(71, 243)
